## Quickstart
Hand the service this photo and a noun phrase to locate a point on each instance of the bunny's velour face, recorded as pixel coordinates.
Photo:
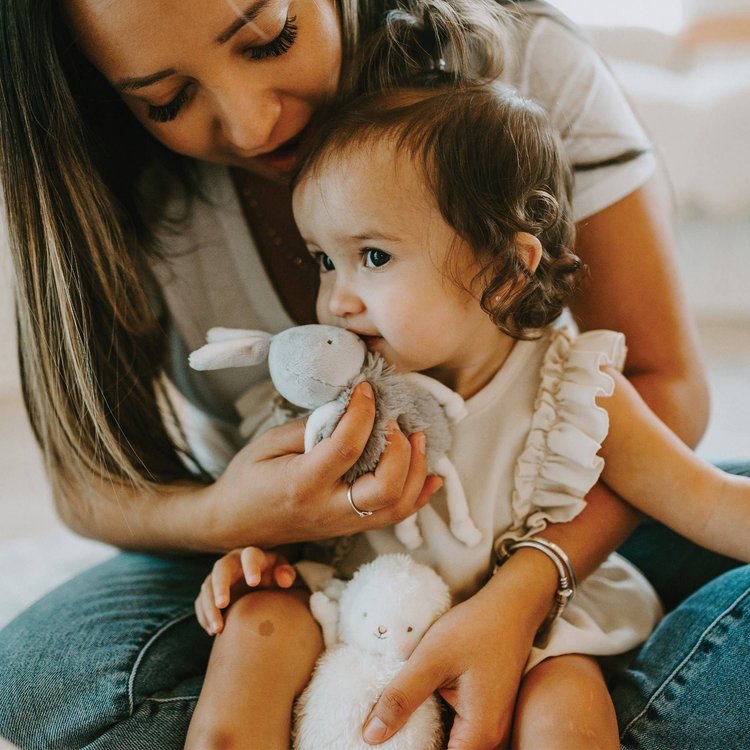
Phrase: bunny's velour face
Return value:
(393, 271)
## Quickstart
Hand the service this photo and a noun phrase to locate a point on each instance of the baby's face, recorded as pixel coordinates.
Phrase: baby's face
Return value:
(392, 270)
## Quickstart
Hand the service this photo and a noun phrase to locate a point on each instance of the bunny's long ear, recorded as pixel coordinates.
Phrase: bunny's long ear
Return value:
(231, 347)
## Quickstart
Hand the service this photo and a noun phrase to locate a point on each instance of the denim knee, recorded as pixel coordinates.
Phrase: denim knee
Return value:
(688, 687)
(103, 650)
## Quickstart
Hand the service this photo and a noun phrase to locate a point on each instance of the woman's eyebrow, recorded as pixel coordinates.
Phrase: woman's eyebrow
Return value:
(245, 17)
(128, 84)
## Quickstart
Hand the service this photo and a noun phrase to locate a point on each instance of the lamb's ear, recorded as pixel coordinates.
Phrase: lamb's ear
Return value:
(231, 347)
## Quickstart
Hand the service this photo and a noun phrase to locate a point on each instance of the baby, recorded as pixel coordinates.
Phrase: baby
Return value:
(440, 219)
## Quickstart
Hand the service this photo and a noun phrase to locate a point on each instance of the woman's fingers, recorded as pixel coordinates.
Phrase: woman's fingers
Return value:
(418, 486)
(336, 454)
(399, 486)
(384, 487)
(408, 690)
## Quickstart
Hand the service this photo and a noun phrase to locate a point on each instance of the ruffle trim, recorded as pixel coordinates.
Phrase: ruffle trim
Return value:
(559, 463)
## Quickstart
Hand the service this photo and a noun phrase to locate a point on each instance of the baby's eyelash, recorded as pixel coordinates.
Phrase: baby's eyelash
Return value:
(278, 46)
(275, 48)
(374, 257)
(324, 262)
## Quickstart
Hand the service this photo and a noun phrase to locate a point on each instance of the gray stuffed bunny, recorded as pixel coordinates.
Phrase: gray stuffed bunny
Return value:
(317, 366)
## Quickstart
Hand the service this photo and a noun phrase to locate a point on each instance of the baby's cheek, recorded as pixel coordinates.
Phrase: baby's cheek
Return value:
(322, 307)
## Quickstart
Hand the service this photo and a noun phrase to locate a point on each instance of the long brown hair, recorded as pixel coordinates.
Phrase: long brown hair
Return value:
(91, 333)
(90, 340)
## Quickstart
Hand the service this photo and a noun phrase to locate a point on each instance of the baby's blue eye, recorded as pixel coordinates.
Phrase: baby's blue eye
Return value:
(375, 258)
(325, 262)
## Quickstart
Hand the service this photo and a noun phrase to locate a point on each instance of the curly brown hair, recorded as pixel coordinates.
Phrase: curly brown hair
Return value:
(496, 168)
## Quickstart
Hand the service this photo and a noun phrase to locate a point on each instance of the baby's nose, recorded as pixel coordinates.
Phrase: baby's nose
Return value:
(382, 629)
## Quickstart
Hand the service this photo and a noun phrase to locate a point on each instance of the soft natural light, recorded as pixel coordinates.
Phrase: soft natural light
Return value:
(663, 15)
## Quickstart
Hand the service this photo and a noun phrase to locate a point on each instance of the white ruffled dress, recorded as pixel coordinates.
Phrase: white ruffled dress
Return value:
(527, 456)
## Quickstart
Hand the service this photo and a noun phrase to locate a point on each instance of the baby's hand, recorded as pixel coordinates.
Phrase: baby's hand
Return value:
(234, 574)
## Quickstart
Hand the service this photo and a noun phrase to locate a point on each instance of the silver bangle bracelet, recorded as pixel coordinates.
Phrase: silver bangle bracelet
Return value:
(567, 583)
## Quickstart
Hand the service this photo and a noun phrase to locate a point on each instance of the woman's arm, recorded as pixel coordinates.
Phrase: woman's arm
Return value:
(271, 493)
(649, 466)
(633, 286)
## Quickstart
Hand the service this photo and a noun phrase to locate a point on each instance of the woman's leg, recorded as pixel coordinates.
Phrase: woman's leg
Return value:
(689, 685)
(563, 704)
(271, 635)
(112, 659)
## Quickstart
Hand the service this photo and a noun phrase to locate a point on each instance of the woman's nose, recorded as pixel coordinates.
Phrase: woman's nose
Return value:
(248, 119)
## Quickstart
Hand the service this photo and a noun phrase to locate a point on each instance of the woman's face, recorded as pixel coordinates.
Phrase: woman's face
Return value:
(235, 83)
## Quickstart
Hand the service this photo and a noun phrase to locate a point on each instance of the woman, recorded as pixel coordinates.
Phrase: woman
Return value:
(111, 115)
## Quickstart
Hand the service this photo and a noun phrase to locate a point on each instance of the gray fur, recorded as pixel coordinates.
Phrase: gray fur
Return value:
(412, 407)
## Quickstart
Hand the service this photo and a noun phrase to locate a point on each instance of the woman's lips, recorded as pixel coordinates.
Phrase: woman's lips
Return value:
(285, 156)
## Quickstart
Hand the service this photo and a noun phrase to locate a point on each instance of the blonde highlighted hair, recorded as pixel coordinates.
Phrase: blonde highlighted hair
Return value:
(91, 333)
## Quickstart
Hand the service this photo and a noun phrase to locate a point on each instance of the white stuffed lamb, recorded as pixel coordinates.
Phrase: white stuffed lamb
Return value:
(380, 616)
(317, 366)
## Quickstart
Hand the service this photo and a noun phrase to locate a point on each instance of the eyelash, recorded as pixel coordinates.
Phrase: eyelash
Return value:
(275, 48)
(278, 46)
(367, 256)
(320, 259)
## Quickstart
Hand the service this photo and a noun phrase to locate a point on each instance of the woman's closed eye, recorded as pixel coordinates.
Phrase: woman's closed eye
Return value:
(278, 46)
(375, 258)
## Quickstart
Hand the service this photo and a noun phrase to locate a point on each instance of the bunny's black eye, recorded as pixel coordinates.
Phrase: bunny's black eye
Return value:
(409, 629)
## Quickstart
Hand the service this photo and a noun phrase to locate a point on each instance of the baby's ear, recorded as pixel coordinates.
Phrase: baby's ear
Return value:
(529, 250)
(231, 347)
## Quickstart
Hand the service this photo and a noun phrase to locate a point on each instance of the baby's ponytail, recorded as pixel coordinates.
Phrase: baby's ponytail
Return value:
(424, 42)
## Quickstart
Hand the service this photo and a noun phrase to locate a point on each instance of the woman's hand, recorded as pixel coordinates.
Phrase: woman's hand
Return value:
(474, 657)
(273, 493)
(235, 574)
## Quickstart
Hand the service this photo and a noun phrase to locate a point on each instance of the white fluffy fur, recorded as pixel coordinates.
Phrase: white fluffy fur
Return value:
(383, 612)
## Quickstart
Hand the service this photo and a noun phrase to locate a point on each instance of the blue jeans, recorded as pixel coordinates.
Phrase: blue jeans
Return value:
(114, 659)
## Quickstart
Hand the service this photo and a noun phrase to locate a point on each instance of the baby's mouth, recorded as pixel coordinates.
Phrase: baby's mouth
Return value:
(371, 341)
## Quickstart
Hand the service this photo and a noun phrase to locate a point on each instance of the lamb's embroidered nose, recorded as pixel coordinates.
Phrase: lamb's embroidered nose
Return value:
(382, 629)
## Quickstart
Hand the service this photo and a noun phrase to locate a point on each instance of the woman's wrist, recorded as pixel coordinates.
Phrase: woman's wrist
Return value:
(527, 583)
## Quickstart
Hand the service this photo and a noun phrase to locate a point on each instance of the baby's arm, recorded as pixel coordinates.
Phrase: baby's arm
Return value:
(236, 573)
(651, 468)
